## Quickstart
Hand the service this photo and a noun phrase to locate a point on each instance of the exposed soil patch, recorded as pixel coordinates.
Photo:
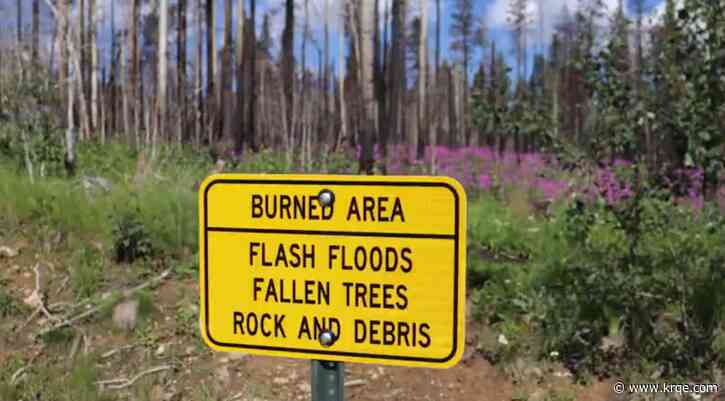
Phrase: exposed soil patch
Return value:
(169, 337)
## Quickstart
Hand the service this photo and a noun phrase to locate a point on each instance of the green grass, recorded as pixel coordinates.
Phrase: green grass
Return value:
(87, 271)
(166, 208)
(8, 307)
(82, 381)
(43, 382)
(164, 202)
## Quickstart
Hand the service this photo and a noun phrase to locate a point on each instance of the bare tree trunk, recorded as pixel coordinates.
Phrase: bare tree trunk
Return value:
(27, 152)
(70, 160)
(353, 10)
(433, 133)
(639, 51)
(210, 70)
(461, 105)
(452, 96)
(379, 71)
(161, 97)
(75, 55)
(151, 126)
(397, 81)
(251, 119)
(181, 74)
(366, 84)
(263, 122)
(285, 138)
(82, 52)
(341, 76)
(288, 68)
(355, 39)
(20, 23)
(102, 113)
(303, 95)
(326, 110)
(422, 75)
(114, 75)
(134, 94)
(198, 88)
(36, 32)
(75, 62)
(438, 37)
(225, 85)
(62, 37)
(127, 90)
(94, 67)
(241, 35)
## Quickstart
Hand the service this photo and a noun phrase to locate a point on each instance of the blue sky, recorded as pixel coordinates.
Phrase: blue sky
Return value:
(492, 12)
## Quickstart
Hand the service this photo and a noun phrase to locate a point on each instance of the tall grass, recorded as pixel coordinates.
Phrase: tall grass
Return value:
(166, 205)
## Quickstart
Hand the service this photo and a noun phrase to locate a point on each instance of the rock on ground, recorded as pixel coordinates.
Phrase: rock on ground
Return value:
(125, 315)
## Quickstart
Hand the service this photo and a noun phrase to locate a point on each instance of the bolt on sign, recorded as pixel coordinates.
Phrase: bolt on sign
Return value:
(339, 268)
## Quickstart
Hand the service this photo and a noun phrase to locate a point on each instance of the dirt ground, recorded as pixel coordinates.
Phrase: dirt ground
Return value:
(193, 372)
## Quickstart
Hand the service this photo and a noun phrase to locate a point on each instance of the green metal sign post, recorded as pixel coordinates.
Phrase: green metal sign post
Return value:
(328, 381)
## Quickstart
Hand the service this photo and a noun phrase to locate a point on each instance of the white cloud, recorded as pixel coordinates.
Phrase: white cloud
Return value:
(498, 10)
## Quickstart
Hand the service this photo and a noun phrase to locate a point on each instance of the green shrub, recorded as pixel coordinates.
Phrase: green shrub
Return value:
(645, 271)
(130, 239)
(8, 307)
(604, 287)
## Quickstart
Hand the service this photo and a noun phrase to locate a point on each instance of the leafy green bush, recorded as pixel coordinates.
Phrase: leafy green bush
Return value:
(604, 287)
(130, 239)
(645, 276)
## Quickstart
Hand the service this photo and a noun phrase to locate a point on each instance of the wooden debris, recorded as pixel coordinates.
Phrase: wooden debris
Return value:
(356, 382)
(118, 384)
(95, 309)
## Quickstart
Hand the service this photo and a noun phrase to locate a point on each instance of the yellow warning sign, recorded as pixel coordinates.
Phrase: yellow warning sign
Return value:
(377, 264)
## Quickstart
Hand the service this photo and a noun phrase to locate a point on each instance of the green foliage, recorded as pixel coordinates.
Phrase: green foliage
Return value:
(42, 382)
(87, 271)
(28, 130)
(112, 160)
(130, 240)
(187, 318)
(188, 268)
(691, 79)
(493, 227)
(8, 306)
(58, 336)
(489, 110)
(169, 218)
(646, 273)
(615, 116)
(50, 202)
(266, 161)
(82, 381)
(145, 305)
(644, 270)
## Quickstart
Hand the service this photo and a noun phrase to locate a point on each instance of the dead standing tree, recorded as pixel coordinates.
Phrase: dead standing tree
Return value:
(367, 111)
(74, 83)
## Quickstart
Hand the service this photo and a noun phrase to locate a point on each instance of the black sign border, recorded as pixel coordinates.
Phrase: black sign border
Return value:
(287, 181)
